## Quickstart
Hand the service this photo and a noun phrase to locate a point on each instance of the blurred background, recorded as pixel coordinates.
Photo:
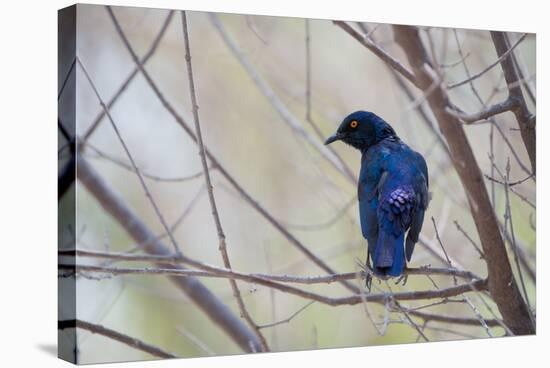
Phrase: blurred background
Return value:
(277, 167)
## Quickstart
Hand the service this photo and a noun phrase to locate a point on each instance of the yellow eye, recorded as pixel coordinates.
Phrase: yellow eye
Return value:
(353, 124)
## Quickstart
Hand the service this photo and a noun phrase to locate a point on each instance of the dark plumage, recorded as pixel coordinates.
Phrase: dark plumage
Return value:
(392, 191)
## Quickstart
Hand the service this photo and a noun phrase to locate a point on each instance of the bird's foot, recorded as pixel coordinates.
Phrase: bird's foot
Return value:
(369, 273)
(368, 282)
(402, 278)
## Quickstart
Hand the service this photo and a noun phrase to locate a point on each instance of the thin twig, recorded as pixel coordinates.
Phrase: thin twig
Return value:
(510, 184)
(131, 158)
(115, 335)
(464, 297)
(130, 77)
(508, 219)
(452, 319)
(524, 81)
(66, 79)
(121, 163)
(378, 51)
(467, 236)
(221, 235)
(408, 317)
(288, 319)
(325, 224)
(526, 121)
(309, 117)
(195, 341)
(513, 151)
(491, 66)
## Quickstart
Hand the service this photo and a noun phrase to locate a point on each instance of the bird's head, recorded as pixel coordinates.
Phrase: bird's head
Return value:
(362, 129)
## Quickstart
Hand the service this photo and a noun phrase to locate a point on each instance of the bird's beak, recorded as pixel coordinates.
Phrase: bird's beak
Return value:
(335, 137)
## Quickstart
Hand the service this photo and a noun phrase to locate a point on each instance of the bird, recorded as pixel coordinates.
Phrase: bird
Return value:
(392, 192)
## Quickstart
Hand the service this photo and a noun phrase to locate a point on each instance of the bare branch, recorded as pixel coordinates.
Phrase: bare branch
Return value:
(378, 51)
(502, 285)
(452, 319)
(522, 79)
(275, 101)
(309, 117)
(120, 163)
(215, 272)
(114, 205)
(221, 235)
(130, 157)
(526, 121)
(174, 260)
(325, 224)
(408, 317)
(510, 184)
(509, 220)
(66, 79)
(289, 318)
(195, 341)
(491, 66)
(490, 111)
(467, 236)
(115, 335)
(248, 198)
(130, 77)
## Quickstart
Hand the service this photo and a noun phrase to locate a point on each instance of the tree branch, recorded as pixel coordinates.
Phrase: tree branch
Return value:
(175, 260)
(378, 51)
(215, 272)
(221, 235)
(276, 102)
(130, 77)
(502, 285)
(526, 121)
(114, 205)
(114, 335)
(490, 111)
(452, 319)
(491, 66)
(248, 198)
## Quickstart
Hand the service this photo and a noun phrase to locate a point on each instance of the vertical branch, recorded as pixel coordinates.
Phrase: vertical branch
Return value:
(508, 220)
(526, 121)
(308, 71)
(210, 189)
(524, 80)
(502, 284)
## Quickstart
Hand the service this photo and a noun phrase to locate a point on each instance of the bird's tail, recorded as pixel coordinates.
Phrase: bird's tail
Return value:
(389, 257)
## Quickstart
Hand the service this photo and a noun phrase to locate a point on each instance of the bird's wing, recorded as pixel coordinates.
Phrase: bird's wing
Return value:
(394, 216)
(368, 206)
(396, 209)
(422, 199)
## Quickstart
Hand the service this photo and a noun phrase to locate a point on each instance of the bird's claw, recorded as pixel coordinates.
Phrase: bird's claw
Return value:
(368, 281)
(402, 278)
